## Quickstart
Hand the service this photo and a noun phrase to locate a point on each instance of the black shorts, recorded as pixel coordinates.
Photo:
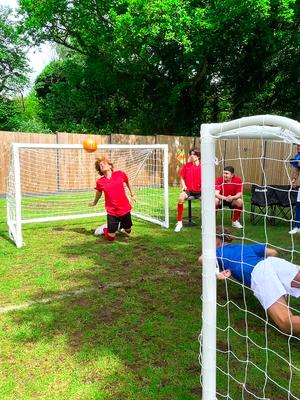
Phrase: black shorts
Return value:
(197, 195)
(115, 222)
(225, 203)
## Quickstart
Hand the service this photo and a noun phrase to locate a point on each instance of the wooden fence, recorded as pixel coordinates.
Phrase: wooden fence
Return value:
(255, 160)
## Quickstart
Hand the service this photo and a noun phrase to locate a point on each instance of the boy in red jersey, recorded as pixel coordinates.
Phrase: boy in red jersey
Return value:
(117, 204)
(191, 183)
(229, 192)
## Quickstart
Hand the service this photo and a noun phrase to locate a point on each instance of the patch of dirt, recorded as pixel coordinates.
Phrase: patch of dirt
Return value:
(164, 382)
(83, 301)
(193, 369)
(143, 379)
(76, 339)
(83, 231)
(197, 391)
(109, 313)
(91, 377)
(223, 346)
(105, 315)
(74, 257)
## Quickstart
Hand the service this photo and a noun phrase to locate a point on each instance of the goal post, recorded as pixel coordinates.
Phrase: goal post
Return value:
(264, 128)
(53, 182)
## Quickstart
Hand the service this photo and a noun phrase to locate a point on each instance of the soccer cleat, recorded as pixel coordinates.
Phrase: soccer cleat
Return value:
(178, 226)
(99, 231)
(236, 224)
(294, 230)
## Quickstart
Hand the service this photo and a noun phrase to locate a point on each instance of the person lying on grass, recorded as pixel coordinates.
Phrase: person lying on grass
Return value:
(271, 278)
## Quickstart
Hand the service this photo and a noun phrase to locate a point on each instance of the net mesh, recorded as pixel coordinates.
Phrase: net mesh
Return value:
(59, 182)
(255, 360)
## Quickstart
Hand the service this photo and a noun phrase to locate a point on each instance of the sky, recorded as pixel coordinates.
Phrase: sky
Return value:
(38, 57)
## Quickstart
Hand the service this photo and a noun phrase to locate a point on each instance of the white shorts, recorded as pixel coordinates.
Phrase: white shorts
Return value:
(272, 278)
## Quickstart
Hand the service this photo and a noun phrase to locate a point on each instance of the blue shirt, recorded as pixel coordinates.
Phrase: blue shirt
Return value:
(240, 259)
(295, 161)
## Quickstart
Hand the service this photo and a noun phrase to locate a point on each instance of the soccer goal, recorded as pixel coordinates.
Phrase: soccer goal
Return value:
(52, 182)
(243, 354)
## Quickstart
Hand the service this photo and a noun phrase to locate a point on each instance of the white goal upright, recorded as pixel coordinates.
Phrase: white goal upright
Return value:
(52, 182)
(243, 354)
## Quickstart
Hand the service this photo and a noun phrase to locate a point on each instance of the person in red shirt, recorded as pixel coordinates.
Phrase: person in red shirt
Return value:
(229, 192)
(190, 175)
(117, 205)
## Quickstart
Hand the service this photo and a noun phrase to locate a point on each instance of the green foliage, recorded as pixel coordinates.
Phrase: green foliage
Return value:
(21, 115)
(8, 111)
(165, 66)
(13, 62)
(33, 125)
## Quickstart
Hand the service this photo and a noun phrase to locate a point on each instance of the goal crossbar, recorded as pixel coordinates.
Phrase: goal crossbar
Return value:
(55, 182)
(255, 127)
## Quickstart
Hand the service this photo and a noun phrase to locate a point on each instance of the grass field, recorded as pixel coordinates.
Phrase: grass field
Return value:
(82, 318)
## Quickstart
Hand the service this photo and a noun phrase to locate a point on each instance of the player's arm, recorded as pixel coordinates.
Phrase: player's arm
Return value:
(126, 181)
(132, 195)
(96, 199)
(182, 174)
(239, 192)
(221, 275)
(183, 185)
(294, 176)
(238, 195)
(219, 195)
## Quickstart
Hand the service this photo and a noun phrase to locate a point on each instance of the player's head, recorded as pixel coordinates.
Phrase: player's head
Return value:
(194, 154)
(223, 235)
(103, 164)
(228, 173)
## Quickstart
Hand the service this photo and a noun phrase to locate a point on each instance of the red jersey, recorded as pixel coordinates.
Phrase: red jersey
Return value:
(116, 201)
(230, 188)
(191, 174)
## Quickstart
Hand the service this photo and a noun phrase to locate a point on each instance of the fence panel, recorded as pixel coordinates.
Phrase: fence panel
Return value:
(175, 143)
(6, 138)
(228, 153)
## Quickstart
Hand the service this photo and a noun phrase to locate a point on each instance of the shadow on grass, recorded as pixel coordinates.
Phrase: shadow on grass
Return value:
(143, 330)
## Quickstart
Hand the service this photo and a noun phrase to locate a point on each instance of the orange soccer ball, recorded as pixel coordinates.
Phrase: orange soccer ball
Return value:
(89, 145)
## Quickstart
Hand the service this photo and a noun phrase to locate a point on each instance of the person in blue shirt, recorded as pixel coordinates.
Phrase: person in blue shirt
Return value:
(271, 278)
(295, 163)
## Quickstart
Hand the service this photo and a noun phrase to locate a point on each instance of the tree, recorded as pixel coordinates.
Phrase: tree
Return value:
(168, 65)
(13, 63)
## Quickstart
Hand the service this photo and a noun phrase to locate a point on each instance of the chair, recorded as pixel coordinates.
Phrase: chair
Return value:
(275, 202)
(263, 203)
(190, 221)
(287, 199)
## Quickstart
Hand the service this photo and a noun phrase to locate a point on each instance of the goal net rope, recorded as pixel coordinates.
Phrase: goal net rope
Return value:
(56, 182)
(243, 354)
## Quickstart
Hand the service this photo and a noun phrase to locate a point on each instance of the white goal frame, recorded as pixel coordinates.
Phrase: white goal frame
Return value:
(15, 220)
(254, 127)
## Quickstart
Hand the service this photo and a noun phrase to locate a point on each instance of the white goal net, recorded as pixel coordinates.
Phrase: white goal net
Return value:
(243, 353)
(55, 182)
